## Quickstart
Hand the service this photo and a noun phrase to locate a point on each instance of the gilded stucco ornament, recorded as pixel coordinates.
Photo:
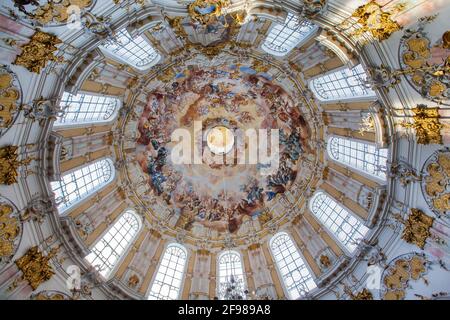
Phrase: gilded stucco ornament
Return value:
(10, 231)
(417, 228)
(312, 8)
(425, 64)
(426, 125)
(52, 12)
(207, 11)
(40, 50)
(10, 98)
(9, 164)
(35, 267)
(436, 182)
(364, 294)
(396, 278)
(50, 295)
(373, 19)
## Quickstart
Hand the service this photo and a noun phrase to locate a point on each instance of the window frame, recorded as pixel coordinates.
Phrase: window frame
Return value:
(218, 276)
(372, 96)
(371, 176)
(113, 52)
(183, 275)
(125, 251)
(66, 208)
(302, 38)
(333, 234)
(110, 119)
(306, 265)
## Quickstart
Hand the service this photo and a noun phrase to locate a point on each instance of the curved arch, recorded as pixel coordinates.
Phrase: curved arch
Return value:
(342, 84)
(294, 273)
(136, 51)
(230, 268)
(80, 183)
(361, 155)
(114, 243)
(87, 109)
(283, 38)
(345, 227)
(169, 277)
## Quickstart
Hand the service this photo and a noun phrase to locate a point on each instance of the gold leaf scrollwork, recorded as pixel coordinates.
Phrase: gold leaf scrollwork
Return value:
(400, 272)
(436, 173)
(9, 165)
(417, 228)
(38, 52)
(426, 124)
(376, 21)
(35, 267)
(9, 98)
(9, 230)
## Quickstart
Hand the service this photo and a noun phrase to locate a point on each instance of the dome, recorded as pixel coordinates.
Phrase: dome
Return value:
(231, 150)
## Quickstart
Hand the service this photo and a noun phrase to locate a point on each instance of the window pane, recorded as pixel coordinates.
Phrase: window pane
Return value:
(347, 229)
(112, 245)
(80, 183)
(283, 38)
(167, 283)
(342, 84)
(230, 267)
(294, 273)
(84, 108)
(135, 51)
(360, 155)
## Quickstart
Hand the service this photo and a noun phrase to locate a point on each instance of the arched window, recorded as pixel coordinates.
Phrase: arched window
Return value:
(285, 37)
(137, 52)
(342, 84)
(346, 228)
(78, 184)
(360, 155)
(86, 108)
(230, 269)
(167, 283)
(293, 271)
(108, 250)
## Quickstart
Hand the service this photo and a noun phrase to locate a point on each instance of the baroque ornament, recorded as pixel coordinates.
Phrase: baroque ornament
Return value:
(10, 231)
(36, 53)
(52, 12)
(9, 165)
(436, 182)
(373, 19)
(10, 98)
(417, 228)
(426, 124)
(426, 65)
(50, 295)
(35, 267)
(397, 276)
(207, 11)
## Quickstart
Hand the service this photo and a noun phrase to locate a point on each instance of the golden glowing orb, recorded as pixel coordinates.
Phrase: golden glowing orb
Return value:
(220, 140)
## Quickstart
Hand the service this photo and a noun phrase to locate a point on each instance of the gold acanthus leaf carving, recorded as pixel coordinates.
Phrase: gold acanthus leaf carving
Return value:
(9, 230)
(398, 276)
(35, 266)
(417, 228)
(9, 165)
(426, 124)
(374, 20)
(9, 95)
(36, 53)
